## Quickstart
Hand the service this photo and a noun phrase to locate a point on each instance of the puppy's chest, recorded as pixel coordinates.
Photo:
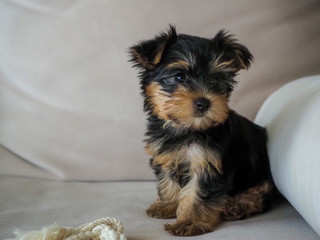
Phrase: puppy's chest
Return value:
(187, 160)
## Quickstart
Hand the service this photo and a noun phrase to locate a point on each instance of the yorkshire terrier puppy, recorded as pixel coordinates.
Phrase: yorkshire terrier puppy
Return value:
(211, 163)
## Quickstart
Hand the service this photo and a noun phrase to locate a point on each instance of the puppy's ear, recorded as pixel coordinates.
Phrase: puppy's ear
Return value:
(232, 53)
(147, 54)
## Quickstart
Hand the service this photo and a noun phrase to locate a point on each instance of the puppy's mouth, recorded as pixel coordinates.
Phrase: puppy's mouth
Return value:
(197, 119)
(199, 114)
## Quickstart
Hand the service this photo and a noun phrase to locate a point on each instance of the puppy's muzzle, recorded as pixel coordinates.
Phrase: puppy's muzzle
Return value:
(202, 105)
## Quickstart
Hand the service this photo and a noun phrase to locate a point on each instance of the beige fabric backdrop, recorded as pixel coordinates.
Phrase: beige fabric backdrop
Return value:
(70, 107)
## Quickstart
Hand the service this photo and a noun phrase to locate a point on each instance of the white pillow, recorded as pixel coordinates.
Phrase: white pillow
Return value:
(292, 118)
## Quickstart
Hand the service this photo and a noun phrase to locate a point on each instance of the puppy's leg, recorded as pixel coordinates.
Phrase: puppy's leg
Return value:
(162, 210)
(166, 205)
(252, 201)
(194, 217)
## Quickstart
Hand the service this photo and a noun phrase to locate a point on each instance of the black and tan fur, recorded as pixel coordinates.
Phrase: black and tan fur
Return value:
(211, 163)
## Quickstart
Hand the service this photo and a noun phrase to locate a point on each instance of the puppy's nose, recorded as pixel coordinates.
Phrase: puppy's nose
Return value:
(202, 104)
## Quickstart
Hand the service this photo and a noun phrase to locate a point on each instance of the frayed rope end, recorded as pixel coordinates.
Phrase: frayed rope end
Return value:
(102, 229)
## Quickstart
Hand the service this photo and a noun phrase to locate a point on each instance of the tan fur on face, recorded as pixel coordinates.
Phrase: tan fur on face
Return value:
(179, 64)
(157, 99)
(178, 108)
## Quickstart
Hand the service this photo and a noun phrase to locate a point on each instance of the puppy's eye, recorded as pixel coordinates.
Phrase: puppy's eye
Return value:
(180, 77)
(169, 81)
(214, 82)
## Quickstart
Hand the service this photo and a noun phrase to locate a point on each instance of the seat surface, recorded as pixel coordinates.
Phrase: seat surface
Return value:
(30, 204)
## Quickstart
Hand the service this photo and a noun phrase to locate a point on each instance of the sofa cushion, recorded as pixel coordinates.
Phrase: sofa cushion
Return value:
(70, 107)
(292, 116)
(30, 204)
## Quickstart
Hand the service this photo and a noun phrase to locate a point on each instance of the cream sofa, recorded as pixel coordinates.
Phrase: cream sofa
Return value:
(71, 119)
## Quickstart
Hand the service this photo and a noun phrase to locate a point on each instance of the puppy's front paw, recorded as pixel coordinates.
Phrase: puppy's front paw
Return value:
(187, 228)
(161, 210)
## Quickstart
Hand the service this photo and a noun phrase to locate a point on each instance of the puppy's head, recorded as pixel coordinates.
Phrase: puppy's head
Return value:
(187, 80)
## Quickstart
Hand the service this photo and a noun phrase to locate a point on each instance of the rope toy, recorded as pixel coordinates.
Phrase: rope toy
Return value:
(100, 229)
